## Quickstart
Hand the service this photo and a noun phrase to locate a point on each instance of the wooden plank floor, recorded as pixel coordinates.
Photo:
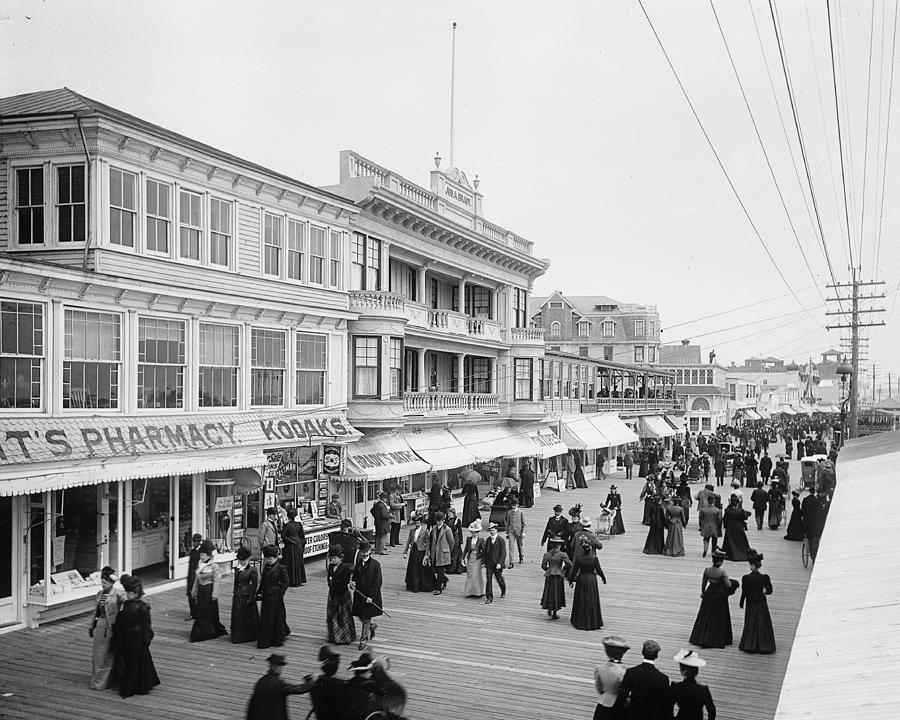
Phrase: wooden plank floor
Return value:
(457, 657)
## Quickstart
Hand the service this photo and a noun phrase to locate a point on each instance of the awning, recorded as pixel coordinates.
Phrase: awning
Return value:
(616, 431)
(547, 443)
(801, 409)
(487, 442)
(787, 410)
(22, 480)
(588, 432)
(439, 448)
(383, 455)
(653, 426)
(751, 414)
(676, 421)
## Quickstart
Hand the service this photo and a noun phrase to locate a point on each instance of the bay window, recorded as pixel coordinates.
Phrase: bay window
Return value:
(70, 212)
(21, 354)
(219, 360)
(524, 372)
(311, 368)
(161, 363)
(366, 367)
(267, 363)
(91, 360)
(396, 368)
(30, 205)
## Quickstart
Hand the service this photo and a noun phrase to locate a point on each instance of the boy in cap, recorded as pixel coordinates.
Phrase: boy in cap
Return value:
(645, 690)
(269, 699)
(608, 679)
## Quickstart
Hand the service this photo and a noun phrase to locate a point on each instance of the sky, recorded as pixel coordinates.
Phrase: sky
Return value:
(574, 122)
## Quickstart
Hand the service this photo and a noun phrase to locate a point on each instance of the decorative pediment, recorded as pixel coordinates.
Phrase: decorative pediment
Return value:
(458, 176)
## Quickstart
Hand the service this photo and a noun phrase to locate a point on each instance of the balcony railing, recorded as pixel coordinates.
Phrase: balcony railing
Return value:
(634, 404)
(377, 300)
(526, 335)
(418, 316)
(444, 403)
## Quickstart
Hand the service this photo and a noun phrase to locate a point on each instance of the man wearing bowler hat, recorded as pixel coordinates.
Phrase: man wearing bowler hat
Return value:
(608, 679)
(645, 693)
(269, 699)
(556, 525)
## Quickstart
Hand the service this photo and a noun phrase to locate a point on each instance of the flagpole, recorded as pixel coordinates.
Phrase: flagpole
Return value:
(452, 90)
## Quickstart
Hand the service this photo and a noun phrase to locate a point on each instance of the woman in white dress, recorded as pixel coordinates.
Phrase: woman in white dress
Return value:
(472, 562)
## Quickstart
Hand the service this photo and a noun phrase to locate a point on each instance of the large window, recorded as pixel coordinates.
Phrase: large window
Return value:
(70, 213)
(159, 217)
(190, 225)
(403, 280)
(311, 368)
(478, 301)
(396, 367)
(366, 367)
(524, 379)
(296, 249)
(122, 207)
(267, 358)
(220, 232)
(365, 263)
(30, 205)
(91, 364)
(520, 308)
(334, 262)
(273, 241)
(220, 358)
(638, 328)
(478, 379)
(21, 354)
(609, 328)
(639, 353)
(316, 255)
(161, 363)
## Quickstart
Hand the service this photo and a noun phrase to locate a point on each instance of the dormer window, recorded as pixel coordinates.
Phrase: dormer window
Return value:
(555, 328)
(609, 328)
(584, 328)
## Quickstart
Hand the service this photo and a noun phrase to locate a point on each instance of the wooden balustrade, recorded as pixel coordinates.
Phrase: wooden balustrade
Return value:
(446, 403)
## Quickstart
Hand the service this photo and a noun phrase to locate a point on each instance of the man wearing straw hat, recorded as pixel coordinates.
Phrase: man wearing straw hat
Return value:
(689, 695)
(608, 679)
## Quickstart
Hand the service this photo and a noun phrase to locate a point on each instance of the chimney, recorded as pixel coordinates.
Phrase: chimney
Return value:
(685, 342)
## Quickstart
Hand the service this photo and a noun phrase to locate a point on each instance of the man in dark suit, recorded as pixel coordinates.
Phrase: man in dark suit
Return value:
(381, 513)
(645, 690)
(193, 562)
(760, 499)
(526, 489)
(556, 525)
(494, 558)
(269, 700)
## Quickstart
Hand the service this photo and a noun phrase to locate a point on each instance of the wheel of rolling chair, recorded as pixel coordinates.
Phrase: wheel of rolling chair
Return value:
(376, 715)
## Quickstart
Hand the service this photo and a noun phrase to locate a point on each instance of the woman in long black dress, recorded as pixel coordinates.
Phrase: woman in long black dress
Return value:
(580, 481)
(735, 542)
(419, 577)
(689, 696)
(339, 611)
(776, 505)
(795, 526)
(205, 593)
(438, 501)
(470, 502)
(683, 493)
(273, 583)
(452, 522)
(294, 546)
(555, 565)
(758, 635)
(614, 505)
(655, 544)
(648, 494)
(586, 614)
(132, 635)
(712, 628)
(244, 613)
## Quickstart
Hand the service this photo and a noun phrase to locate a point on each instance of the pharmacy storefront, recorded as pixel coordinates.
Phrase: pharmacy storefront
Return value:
(77, 494)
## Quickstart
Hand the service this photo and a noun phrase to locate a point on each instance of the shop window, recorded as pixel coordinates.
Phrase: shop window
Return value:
(252, 504)
(159, 217)
(267, 359)
(75, 553)
(91, 365)
(189, 225)
(316, 255)
(21, 354)
(161, 363)
(524, 379)
(122, 207)
(396, 367)
(149, 519)
(219, 362)
(220, 232)
(185, 514)
(366, 367)
(70, 215)
(30, 206)
(335, 259)
(311, 368)
(273, 242)
(219, 508)
(37, 516)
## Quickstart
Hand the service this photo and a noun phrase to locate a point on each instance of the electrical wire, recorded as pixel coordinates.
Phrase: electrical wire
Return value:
(780, 316)
(887, 140)
(718, 159)
(862, 211)
(763, 148)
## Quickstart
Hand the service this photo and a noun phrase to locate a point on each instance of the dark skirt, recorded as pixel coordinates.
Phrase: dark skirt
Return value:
(244, 620)
(735, 543)
(586, 614)
(758, 635)
(418, 577)
(292, 557)
(554, 596)
(656, 541)
(795, 527)
(206, 616)
(648, 510)
(456, 567)
(339, 618)
(712, 628)
(273, 628)
(775, 510)
(470, 510)
(580, 482)
(134, 668)
(618, 525)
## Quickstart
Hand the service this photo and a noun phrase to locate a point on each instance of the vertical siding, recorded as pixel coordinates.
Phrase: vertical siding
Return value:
(249, 241)
(4, 205)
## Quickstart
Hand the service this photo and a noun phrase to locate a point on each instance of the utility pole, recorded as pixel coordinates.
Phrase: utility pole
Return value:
(873, 383)
(854, 325)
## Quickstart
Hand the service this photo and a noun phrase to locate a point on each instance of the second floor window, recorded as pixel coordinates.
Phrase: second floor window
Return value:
(92, 359)
(219, 360)
(366, 367)
(122, 207)
(273, 241)
(639, 353)
(608, 352)
(609, 328)
(316, 255)
(651, 327)
(219, 232)
(524, 379)
(159, 217)
(365, 263)
(520, 308)
(161, 363)
(21, 354)
(267, 359)
(30, 206)
(311, 368)
(296, 249)
(334, 262)
(638, 328)
(189, 226)
(70, 213)
(651, 353)
(396, 368)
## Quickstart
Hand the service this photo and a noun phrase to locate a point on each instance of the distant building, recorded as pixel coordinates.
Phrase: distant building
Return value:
(702, 387)
(598, 327)
(763, 364)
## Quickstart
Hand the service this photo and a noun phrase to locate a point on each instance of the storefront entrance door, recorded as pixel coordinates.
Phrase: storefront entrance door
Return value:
(8, 611)
(150, 523)
(182, 526)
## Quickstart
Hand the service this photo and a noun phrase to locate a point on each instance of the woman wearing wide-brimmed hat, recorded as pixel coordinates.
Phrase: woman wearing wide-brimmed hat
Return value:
(106, 608)
(471, 559)
(132, 634)
(758, 635)
(419, 577)
(555, 565)
(339, 610)
(205, 593)
(689, 696)
(712, 628)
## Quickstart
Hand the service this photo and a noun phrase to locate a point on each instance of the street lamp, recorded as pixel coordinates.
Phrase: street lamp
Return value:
(844, 369)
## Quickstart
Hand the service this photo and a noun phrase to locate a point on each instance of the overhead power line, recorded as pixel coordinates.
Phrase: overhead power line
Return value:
(718, 159)
(887, 139)
(862, 204)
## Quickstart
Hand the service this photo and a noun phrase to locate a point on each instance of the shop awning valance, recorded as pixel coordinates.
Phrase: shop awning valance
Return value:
(24, 480)
(383, 455)
(653, 426)
(615, 430)
(547, 442)
(100, 437)
(588, 432)
(676, 421)
(751, 414)
(440, 448)
(487, 442)
(786, 410)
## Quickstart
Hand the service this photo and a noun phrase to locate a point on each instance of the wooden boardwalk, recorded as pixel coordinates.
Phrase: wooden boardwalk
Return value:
(457, 657)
